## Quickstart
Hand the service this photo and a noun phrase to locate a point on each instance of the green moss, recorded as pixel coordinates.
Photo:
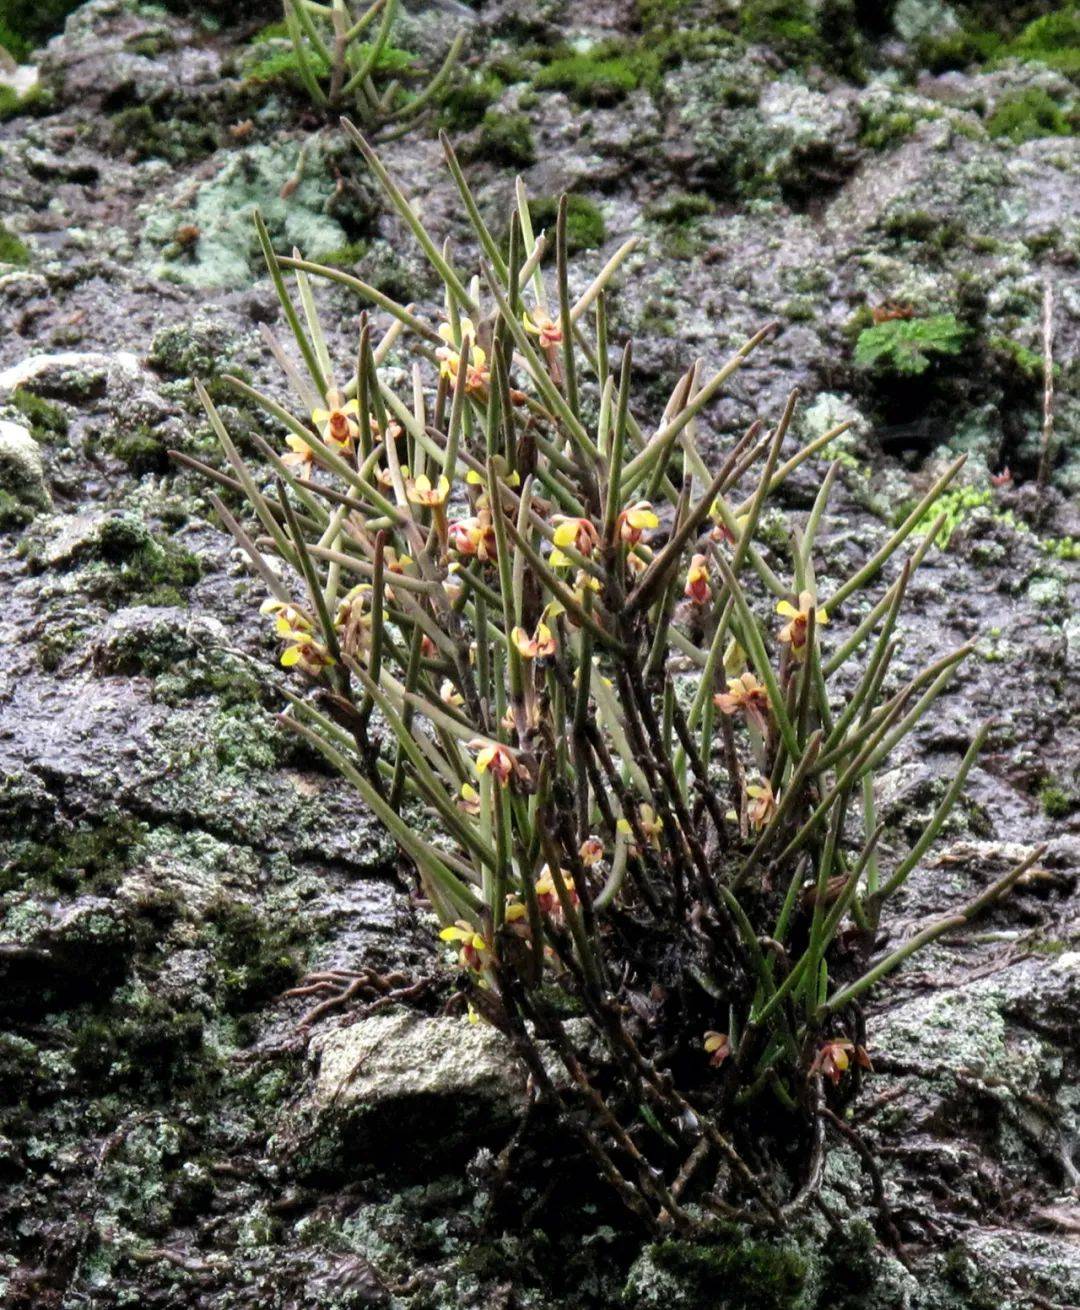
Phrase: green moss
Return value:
(887, 129)
(141, 451)
(737, 1273)
(1055, 801)
(129, 565)
(12, 250)
(1053, 39)
(48, 422)
(13, 512)
(346, 256)
(148, 1045)
(680, 207)
(602, 76)
(584, 222)
(284, 66)
(36, 101)
(468, 100)
(506, 139)
(1066, 548)
(141, 132)
(1027, 116)
(254, 960)
(956, 505)
(27, 24)
(91, 856)
(905, 347)
(786, 25)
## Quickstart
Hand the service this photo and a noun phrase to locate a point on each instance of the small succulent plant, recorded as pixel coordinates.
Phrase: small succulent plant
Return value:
(343, 60)
(515, 607)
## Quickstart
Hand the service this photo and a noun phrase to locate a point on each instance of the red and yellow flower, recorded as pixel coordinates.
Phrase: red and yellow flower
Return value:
(544, 328)
(833, 1059)
(537, 647)
(697, 580)
(761, 803)
(337, 422)
(547, 895)
(472, 948)
(717, 1047)
(477, 374)
(495, 758)
(635, 520)
(793, 632)
(745, 695)
(474, 536)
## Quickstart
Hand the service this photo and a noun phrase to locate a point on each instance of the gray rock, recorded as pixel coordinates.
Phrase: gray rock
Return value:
(22, 470)
(400, 1076)
(71, 375)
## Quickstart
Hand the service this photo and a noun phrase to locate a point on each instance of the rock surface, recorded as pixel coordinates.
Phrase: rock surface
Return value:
(175, 1130)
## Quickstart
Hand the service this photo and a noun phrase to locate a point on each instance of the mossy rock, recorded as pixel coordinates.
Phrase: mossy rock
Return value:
(733, 1271)
(905, 347)
(1029, 115)
(585, 228)
(12, 249)
(27, 24)
(603, 76)
(506, 140)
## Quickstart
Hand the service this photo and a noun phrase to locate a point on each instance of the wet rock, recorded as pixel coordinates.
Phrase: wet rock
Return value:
(330, 204)
(72, 375)
(22, 470)
(152, 639)
(439, 1083)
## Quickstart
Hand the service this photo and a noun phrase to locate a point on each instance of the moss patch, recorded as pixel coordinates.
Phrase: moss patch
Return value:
(27, 24)
(904, 347)
(12, 250)
(1028, 116)
(505, 139)
(48, 422)
(602, 76)
(584, 222)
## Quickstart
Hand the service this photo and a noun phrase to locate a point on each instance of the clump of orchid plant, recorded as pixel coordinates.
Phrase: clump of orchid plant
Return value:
(342, 59)
(514, 604)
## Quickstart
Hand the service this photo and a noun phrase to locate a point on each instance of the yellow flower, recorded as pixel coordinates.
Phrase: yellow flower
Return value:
(537, 647)
(469, 799)
(591, 852)
(420, 491)
(833, 1059)
(300, 454)
(748, 695)
(287, 618)
(717, 1047)
(353, 619)
(503, 471)
(793, 632)
(477, 375)
(449, 694)
(473, 945)
(540, 325)
(337, 421)
(547, 896)
(496, 759)
(697, 580)
(762, 804)
(304, 652)
(634, 520)
(581, 534)
(650, 823)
